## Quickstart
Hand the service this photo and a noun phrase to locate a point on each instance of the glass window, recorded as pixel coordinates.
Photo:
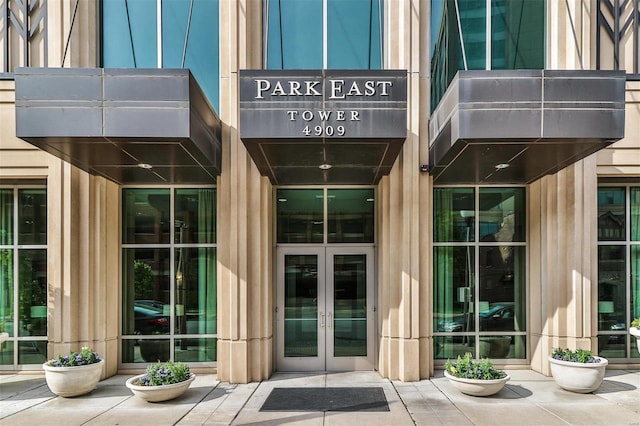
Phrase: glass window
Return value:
(23, 276)
(350, 215)
(517, 28)
(480, 272)
(169, 275)
(300, 214)
(190, 38)
(294, 34)
(618, 269)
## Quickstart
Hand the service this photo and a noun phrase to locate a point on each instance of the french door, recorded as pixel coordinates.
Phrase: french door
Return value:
(325, 309)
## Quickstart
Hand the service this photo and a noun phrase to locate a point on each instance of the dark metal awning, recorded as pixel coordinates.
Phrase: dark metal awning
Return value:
(323, 126)
(517, 126)
(128, 125)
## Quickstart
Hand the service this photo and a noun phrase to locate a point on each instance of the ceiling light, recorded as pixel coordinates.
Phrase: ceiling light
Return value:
(324, 166)
(282, 200)
(502, 166)
(145, 166)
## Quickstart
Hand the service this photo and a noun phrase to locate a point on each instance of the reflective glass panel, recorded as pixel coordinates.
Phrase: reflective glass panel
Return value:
(350, 215)
(32, 216)
(497, 347)
(145, 286)
(146, 216)
(354, 34)
(32, 352)
(148, 350)
(195, 216)
(195, 297)
(517, 34)
(613, 345)
(453, 296)
(301, 306)
(6, 216)
(350, 305)
(611, 288)
(635, 281)
(502, 214)
(502, 304)
(453, 214)
(611, 214)
(300, 214)
(32, 287)
(635, 214)
(450, 347)
(195, 350)
(6, 291)
(6, 352)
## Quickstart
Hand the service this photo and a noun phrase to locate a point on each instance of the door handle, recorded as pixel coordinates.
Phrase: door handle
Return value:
(329, 319)
(321, 320)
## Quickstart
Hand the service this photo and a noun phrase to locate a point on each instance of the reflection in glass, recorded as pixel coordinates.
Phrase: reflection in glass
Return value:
(195, 216)
(195, 310)
(301, 305)
(32, 216)
(146, 216)
(6, 352)
(502, 214)
(6, 291)
(32, 288)
(350, 305)
(453, 214)
(6, 216)
(613, 346)
(145, 287)
(195, 350)
(611, 214)
(611, 288)
(32, 352)
(635, 214)
(300, 214)
(635, 282)
(453, 296)
(450, 347)
(350, 215)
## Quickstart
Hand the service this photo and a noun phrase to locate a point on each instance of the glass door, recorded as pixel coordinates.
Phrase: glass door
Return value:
(325, 309)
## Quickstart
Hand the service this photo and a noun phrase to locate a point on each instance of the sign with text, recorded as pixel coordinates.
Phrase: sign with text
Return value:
(285, 104)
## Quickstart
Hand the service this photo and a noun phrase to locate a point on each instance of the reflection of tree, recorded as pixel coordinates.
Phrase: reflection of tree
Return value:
(143, 280)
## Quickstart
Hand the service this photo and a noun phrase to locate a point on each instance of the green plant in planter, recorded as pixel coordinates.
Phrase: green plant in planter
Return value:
(468, 368)
(85, 357)
(164, 373)
(579, 355)
(636, 322)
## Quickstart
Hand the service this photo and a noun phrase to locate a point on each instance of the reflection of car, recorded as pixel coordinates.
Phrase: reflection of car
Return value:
(499, 317)
(618, 338)
(149, 317)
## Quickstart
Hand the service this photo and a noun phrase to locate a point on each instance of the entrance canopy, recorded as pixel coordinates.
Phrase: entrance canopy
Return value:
(517, 126)
(323, 126)
(128, 125)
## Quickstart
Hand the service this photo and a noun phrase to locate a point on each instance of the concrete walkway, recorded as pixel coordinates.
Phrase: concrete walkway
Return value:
(528, 399)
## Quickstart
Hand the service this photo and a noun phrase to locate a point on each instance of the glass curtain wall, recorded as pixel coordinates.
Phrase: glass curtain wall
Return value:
(480, 272)
(169, 275)
(465, 36)
(23, 276)
(297, 37)
(188, 38)
(618, 269)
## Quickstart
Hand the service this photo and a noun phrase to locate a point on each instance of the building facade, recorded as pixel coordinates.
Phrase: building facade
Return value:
(253, 186)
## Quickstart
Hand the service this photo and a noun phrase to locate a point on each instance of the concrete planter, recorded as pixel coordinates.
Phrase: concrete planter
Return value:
(73, 381)
(577, 376)
(476, 387)
(635, 331)
(158, 393)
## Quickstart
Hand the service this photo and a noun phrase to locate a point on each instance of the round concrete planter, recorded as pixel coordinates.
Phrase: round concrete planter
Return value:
(158, 393)
(73, 381)
(577, 376)
(635, 331)
(476, 387)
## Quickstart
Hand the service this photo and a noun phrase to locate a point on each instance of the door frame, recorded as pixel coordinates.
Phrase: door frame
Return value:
(325, 361)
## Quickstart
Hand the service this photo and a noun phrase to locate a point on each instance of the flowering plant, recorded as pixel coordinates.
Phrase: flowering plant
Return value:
(467, 368)
(85, 357)
(636, 322)
(580, 355)
(164, 373)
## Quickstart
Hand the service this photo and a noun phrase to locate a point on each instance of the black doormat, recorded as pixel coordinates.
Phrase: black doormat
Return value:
(326, 399)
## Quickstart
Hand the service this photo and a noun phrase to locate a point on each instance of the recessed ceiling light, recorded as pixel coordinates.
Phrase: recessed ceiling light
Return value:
(282, 200)
(370, 200)
(324, 166)
(502, 166)
(145, 166)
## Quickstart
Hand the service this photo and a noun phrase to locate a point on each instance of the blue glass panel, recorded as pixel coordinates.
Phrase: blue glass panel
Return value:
(354, 34)
(294, 39)
(129, 34)
(202, 41)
